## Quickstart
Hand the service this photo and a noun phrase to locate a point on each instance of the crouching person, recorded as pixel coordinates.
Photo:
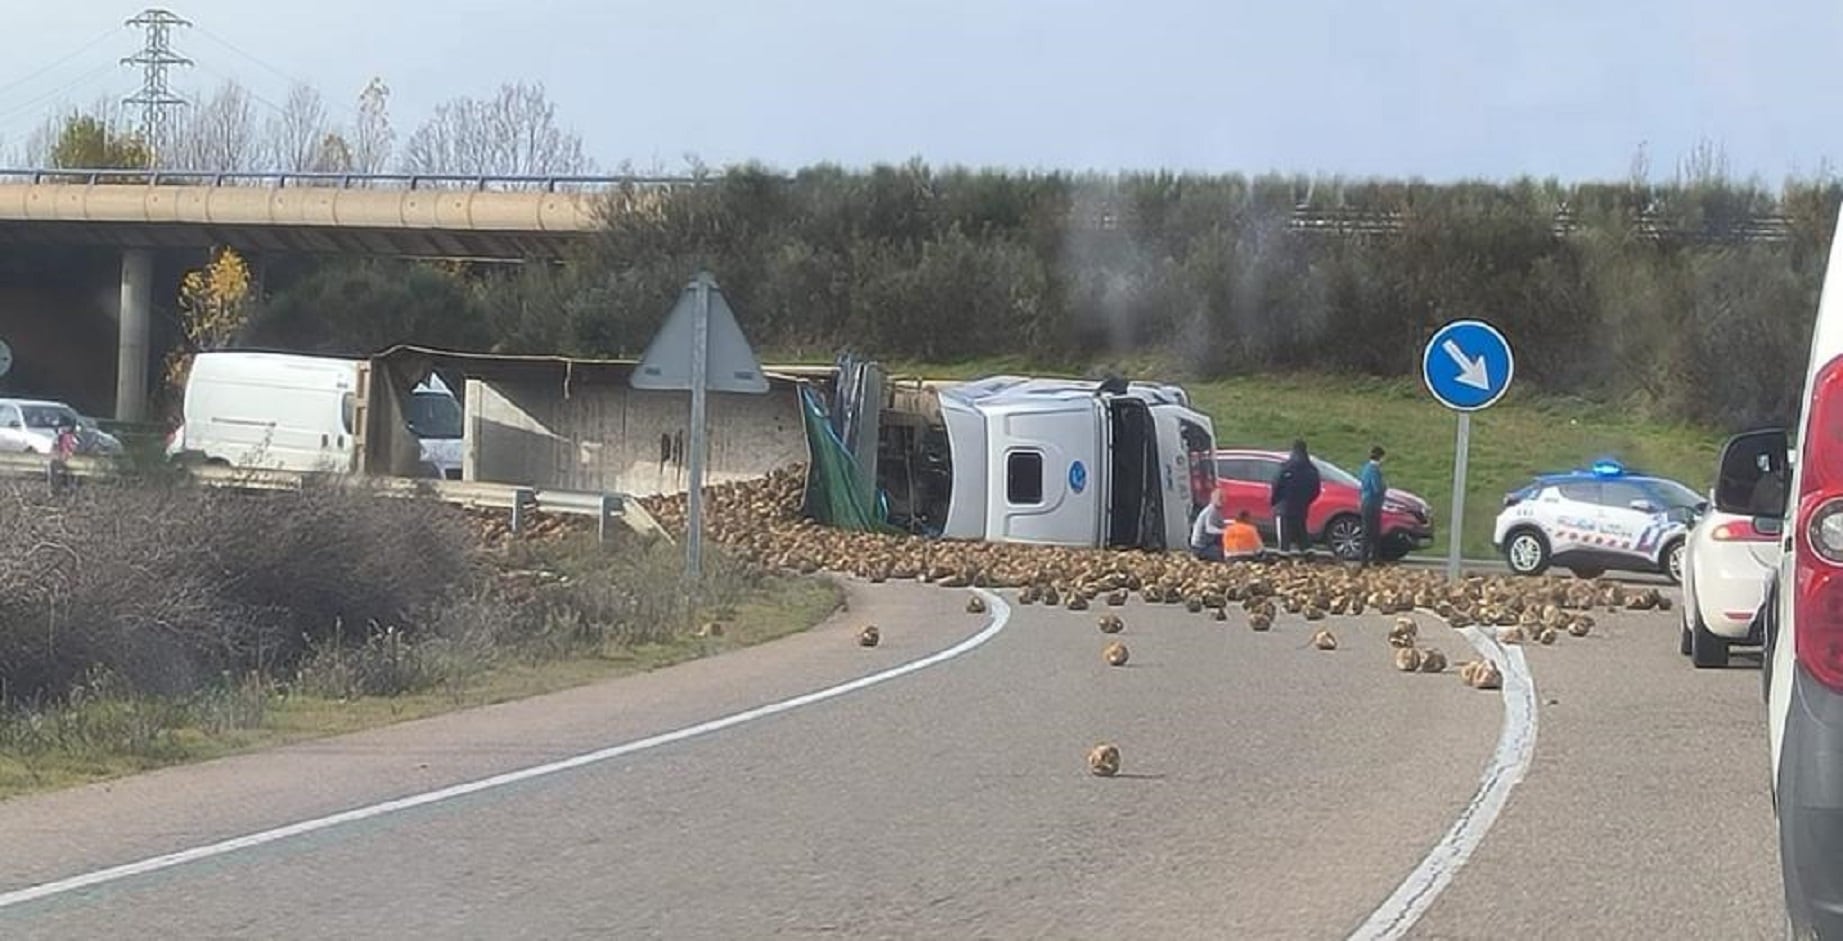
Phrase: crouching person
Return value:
(1241, 541)
(1206, 532)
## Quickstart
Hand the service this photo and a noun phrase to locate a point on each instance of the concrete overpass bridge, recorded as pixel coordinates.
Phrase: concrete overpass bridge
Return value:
(139, 216)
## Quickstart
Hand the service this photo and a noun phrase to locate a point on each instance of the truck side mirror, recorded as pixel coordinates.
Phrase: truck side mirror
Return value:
(1751, 478)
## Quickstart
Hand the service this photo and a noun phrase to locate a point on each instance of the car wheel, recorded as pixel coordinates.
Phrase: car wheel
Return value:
(1344, 537)
(1706, 650)
(1526, 552)
(1673, 562)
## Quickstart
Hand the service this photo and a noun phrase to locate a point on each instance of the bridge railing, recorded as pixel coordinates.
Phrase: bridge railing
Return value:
(412, 181)
(1333, 221)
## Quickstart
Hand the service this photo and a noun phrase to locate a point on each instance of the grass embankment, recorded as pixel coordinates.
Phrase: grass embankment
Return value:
(162, 644)
(1341, 417)
(106, 732)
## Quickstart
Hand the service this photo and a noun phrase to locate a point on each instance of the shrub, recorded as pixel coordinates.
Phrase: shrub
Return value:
(169, 587)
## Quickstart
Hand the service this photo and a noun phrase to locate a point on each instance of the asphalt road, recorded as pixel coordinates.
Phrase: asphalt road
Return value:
(1269, 790)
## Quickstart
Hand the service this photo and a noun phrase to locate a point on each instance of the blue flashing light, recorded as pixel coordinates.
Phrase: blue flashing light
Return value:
(1607, 467)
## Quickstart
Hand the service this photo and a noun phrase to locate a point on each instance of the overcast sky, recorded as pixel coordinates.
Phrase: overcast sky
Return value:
(1436, 88)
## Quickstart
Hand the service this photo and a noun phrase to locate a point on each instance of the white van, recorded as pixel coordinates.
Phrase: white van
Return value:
(1803, 616)
(282, 411)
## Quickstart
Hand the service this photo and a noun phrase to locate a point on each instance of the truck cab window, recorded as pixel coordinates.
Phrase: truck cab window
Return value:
(1024, 478)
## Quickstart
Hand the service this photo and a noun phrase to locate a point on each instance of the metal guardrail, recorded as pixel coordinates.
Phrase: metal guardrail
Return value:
(280, 179)
(607, 509)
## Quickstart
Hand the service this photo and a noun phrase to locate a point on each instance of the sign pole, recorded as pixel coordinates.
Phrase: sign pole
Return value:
(1467, 366)
(699, 349)
(1457, 527)
(694, 509)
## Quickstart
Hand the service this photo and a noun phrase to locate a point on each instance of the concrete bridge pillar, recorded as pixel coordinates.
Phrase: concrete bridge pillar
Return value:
(134, 326)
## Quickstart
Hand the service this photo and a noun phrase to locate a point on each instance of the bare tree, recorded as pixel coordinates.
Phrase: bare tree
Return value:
(218, 133)
(296, 134)
(333, 155)
(372, 139)
(513, 133)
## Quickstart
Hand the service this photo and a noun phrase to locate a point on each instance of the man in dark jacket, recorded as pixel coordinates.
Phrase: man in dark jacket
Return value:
(1293, 493)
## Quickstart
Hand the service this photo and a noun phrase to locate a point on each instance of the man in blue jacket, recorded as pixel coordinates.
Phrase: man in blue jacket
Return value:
(1374, 487)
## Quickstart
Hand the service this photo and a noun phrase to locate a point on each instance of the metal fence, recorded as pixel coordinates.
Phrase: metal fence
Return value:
(386, 181)
(607, 509)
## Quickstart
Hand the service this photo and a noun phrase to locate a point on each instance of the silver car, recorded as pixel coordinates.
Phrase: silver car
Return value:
(30, 426)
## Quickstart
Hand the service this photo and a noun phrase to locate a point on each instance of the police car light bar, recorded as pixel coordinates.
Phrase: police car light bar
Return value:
(1608, 467)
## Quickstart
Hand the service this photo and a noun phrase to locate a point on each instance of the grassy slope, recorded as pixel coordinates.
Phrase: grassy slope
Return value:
(1340, 417)
(784, 607)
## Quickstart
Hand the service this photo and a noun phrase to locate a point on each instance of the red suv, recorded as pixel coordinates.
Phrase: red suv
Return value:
(1246, 476)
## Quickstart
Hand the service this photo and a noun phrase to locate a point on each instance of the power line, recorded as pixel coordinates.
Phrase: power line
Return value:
(273, 70)
(246, 89)
(99, 40)
(78, 82)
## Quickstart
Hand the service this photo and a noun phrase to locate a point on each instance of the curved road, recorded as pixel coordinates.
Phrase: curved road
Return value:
(1269, 790)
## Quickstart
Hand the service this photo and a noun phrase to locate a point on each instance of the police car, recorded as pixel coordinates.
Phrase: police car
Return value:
(1603, 518)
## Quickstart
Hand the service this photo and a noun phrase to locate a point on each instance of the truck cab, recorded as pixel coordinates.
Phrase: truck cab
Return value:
(1074, 462)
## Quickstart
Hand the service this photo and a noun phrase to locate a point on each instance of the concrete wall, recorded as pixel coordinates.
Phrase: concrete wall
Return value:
(606, 436)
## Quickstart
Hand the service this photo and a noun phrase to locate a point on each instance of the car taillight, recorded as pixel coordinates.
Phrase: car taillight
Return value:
(1818, 541)
(1738, 531)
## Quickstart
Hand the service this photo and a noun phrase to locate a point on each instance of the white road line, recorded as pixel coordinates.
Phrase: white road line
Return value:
(1515, 744)
(1001, 613)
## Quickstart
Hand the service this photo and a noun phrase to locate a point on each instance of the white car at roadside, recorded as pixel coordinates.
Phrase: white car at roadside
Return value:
(1729, 557)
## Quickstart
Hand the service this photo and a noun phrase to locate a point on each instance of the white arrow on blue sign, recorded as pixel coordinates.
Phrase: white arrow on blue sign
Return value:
(1467, 365)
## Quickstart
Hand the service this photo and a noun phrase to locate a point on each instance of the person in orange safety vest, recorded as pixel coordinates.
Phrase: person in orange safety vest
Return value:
(1240, 540)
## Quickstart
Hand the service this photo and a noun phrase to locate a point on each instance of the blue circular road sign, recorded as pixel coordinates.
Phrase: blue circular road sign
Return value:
(1467, 365)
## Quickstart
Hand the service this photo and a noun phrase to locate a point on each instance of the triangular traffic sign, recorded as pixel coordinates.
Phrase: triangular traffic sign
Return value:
(730, 363)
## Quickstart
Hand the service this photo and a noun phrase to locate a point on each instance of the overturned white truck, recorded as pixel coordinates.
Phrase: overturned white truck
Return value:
(1048, 461)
